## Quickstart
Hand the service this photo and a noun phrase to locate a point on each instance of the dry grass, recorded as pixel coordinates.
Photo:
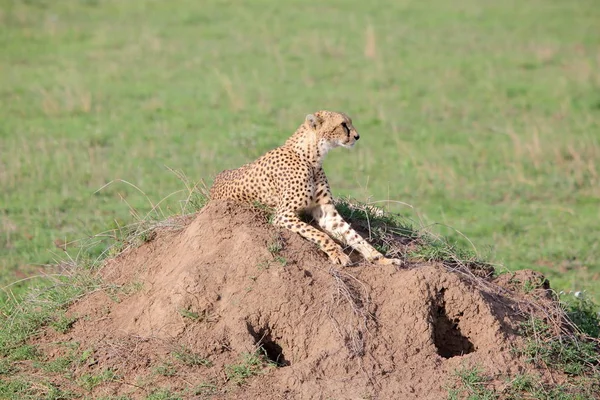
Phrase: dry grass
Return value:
(349, 310)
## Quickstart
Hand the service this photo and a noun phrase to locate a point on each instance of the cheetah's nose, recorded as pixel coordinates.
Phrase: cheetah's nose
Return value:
(356, 136)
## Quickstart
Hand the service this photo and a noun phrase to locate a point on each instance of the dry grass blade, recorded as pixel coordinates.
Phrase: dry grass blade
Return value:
(350, 293)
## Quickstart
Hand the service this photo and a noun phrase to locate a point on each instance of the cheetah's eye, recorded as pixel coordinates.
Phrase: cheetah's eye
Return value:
(346, 129)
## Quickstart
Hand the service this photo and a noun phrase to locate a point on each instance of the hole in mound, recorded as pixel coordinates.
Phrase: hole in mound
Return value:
(448, 339)
(263, 337)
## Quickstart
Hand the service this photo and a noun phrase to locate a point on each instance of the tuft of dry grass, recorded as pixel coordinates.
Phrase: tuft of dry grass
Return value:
(350, 297)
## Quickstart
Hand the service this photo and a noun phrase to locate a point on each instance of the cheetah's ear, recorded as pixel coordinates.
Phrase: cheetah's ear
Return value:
(313, 121)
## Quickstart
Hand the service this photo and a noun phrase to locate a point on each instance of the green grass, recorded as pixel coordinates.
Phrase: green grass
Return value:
(527, 387)
(163, 394)
(251, 364)
(63, 323)
(566, 353)
(90, 381)
(483, 116)
(472, 384)
(189, 314)
(58, 365)
(583, 312)
(165, 369)
(43, 305)
(19, 389)
(188, 357)
(13, 389)
(204, 389)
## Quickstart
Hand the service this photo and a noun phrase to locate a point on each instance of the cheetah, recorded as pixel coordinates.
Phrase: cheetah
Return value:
(290, 179)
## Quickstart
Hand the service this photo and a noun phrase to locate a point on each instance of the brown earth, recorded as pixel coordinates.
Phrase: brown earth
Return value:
(229, 283)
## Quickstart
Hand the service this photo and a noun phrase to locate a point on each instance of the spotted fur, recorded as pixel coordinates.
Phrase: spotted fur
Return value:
(290, 179)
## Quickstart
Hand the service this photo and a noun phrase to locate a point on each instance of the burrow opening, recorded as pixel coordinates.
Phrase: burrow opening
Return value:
(263, 338)
(448, 339)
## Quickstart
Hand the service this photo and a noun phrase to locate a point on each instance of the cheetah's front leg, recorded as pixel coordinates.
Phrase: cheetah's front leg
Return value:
(289, 220)
(333, 223)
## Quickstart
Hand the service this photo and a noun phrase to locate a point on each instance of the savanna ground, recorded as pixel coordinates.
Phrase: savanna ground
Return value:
(482, 118)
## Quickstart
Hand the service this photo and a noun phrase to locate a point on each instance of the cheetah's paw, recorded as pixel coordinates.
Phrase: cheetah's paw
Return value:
(339, 257)
(388, 261)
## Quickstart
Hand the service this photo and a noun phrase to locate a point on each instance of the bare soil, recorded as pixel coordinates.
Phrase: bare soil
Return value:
(230, 284)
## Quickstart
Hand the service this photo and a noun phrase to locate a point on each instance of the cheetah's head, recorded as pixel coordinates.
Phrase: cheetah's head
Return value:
(333, 129)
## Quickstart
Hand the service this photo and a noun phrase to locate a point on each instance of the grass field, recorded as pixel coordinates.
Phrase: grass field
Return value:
(483, 116)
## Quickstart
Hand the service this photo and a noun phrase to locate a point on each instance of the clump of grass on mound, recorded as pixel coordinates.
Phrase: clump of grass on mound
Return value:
(567, 339)
(250, 364)
(474, 383)
(583, 312)
(121, 238)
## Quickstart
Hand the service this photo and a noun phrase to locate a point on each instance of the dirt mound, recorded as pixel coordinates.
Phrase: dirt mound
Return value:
(191, 309)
